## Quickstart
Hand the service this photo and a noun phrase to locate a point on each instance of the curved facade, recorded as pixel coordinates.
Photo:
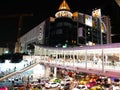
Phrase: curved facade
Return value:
(63, 32)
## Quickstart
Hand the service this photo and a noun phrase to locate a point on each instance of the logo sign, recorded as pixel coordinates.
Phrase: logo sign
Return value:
(96, 13)
(88, 20)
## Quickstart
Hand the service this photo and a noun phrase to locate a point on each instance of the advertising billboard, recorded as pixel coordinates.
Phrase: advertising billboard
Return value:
(96, 13)
(88, 20)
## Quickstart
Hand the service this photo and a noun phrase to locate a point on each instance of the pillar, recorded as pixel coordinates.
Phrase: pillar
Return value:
(55, 72)
(47, 71)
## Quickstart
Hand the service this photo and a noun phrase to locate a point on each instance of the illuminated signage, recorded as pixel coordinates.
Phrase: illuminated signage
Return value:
(88, 20)
(96, 13)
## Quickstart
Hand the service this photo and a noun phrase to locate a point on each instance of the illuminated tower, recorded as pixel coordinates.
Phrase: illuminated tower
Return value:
(62, 31)
(63, 11)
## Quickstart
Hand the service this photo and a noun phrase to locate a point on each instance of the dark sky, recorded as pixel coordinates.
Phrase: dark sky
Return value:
(42, 9)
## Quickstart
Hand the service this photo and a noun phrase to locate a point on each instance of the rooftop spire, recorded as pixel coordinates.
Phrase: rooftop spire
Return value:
(64, 5)
(64, 10)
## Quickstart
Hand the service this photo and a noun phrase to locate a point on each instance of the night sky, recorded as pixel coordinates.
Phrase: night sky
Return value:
(43, 9)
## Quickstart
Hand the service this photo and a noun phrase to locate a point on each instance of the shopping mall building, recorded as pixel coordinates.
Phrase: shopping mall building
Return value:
(68, 29)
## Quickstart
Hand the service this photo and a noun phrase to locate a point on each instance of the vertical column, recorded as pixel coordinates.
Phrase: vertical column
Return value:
(74, 59)
(119, 56)
(45, 54)
(77, 55)
(47, 71)
(70, 57)
(24, 47)
(55, 72)
(55, 68)
(102, 61)
(64, 59)
(85, 59)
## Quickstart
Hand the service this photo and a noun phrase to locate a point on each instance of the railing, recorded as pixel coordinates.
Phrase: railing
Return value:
(90, 64)
(106, 68)
(18, 71)
(103, 68)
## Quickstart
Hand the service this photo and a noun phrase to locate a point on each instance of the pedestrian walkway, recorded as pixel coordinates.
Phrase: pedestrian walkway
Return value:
(20, 71)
